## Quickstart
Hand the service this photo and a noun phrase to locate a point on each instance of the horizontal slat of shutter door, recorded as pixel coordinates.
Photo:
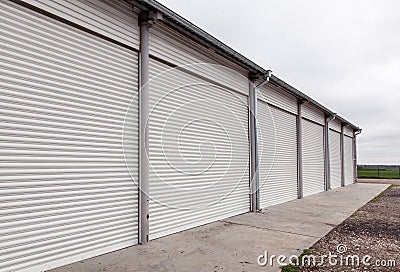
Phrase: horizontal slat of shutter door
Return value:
(274, 95)
(277, 154)
(313, 158)
(335, 125)
(199, 152)
(171, 46)
(348, 131)
(335, 159)
(65, 191)
(348, 160)
(113, 19)
(311, 112)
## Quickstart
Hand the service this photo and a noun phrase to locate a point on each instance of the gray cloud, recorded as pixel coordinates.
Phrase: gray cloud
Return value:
(344, 53)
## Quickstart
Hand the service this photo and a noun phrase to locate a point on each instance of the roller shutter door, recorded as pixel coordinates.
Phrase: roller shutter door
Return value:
(348, 160)
(113, 19)
(335, 159)
(199, 152)
(66, 193)
(313, 158)
(277, 136)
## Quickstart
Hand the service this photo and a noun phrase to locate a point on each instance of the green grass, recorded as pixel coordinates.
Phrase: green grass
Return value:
(383, 174)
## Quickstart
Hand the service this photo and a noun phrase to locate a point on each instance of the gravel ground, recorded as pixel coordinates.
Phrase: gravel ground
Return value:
(373, 230)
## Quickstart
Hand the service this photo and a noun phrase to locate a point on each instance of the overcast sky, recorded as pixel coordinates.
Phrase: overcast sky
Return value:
(343, 53)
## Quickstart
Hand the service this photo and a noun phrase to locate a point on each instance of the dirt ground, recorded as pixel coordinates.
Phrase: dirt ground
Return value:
(372, 233)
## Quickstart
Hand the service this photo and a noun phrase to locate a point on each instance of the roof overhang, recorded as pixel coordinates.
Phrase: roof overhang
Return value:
(183, 26)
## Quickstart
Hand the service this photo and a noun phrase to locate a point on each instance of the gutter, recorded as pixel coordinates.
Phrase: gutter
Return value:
(201, 36)
(306, 97)
(205, 38)
(331, 118)
(267, 77)
(355, 158)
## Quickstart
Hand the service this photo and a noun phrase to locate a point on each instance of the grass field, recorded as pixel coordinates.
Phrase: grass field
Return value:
(374, 173)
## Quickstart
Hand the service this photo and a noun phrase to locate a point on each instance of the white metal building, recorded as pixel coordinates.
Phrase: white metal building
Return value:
(121, 122)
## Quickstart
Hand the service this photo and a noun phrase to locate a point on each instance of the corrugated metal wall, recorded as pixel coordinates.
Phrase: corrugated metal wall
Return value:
(335, 125)
(348, 131)
(348, 160)
(113, 19)
(274, 95)
(66, 194)
(277, 136)
(310, 112)
(335, 159)
(199, 152)
(177, 49)
(313, 158)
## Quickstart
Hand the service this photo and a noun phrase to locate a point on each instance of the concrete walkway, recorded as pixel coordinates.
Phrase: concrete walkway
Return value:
(380, 181)
(234, 244)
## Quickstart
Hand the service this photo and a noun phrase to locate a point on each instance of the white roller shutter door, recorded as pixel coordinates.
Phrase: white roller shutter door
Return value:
(335, 159)
(313, 158)
(274, 95)
(113, 19)
(348, 160)
(66, 193)
(173, 47)
(348, 131)
(199, 152)
(277, 136)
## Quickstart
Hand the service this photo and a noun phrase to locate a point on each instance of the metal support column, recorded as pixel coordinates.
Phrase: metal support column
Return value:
(144, 134)
(328, 119)
(342, 153)
(354, 159)
(253, 148)
(300, 148)
(146, 21)
(356, 133)
(253, 135)
(326, 154)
